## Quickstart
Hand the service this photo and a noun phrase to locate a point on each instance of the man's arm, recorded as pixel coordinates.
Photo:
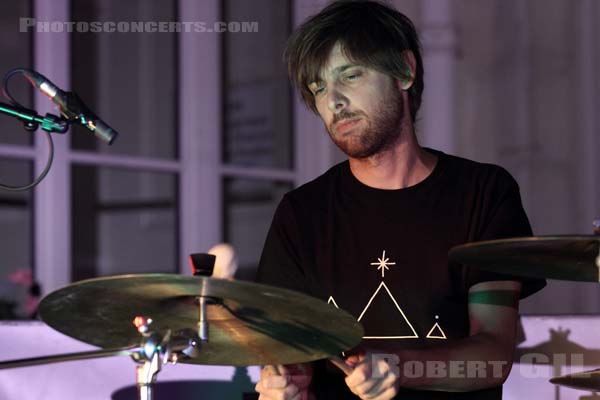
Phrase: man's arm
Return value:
(489, 349)
(480, 361)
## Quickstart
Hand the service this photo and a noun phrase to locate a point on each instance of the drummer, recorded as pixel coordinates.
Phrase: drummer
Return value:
(372, 234)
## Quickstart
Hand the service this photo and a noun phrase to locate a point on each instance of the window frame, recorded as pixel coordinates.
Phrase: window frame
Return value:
(199, 169)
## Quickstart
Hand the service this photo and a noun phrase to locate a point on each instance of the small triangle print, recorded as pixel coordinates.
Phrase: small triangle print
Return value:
(436, 332)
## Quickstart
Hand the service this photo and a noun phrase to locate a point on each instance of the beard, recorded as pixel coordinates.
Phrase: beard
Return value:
(381, 132)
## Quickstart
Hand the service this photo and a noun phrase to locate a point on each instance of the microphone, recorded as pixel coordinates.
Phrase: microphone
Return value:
(72, 107)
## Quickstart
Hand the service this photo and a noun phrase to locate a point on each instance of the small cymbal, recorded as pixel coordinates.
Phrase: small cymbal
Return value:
(570, 258)
(588, 380)
(249, 324)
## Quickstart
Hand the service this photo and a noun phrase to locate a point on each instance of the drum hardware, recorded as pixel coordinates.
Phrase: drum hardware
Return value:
(570, 258)
(193, 319)
(248, 323)
(84, 355)
(151, 354)
(588, 380)
(156, 351)
(202, 265)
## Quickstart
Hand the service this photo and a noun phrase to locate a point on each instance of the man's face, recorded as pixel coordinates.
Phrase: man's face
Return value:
(361, 107)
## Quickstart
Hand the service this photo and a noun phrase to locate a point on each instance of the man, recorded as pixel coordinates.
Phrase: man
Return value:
(372, 234)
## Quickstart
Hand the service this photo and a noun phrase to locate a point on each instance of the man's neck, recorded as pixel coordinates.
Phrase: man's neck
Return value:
(402, 166)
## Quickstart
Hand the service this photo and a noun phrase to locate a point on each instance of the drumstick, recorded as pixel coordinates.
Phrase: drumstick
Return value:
(335, 360)
(341, 364)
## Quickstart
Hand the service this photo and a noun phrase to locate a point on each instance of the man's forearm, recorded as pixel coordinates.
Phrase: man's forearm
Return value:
(477, 362)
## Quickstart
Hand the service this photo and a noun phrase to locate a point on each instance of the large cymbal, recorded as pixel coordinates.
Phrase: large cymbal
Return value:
(588, 380)
(570, 258)
(249, 324)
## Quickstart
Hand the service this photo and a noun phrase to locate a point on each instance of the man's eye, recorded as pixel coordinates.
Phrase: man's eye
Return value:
(318, 90)
(353, 76)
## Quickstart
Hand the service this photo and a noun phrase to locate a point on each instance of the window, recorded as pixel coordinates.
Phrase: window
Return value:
(206, 147)
(124, 218)
(258, 132)
(16, 165)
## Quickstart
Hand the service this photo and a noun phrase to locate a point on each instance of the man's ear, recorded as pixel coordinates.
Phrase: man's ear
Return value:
(408, 78)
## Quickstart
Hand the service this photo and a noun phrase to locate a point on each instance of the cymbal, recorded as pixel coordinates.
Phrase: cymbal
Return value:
(588, 380)
(570, 258)
(249, 323)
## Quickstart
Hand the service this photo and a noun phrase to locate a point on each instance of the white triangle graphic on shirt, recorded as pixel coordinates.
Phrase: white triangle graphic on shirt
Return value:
(383, 285)
(440, 333)
(332, 301)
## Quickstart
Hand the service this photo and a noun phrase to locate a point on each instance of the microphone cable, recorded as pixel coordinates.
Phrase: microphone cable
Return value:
(28, 127)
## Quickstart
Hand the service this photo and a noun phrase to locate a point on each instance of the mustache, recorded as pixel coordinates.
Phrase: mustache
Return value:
(344, 114)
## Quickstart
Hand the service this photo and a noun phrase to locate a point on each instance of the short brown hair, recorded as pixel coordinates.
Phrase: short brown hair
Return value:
(370, 33)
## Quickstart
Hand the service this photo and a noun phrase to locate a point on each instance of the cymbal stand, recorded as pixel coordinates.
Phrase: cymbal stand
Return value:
(202, 321)
(83, 355)
(154, 351)
(157, 350)
(202, 265)
(146, 376)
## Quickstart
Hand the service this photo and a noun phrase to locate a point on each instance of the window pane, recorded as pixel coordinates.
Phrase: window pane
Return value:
(16, 244)
(257, 96)
(16, 51)
(123, 222)
(249, 208)
(128, 79)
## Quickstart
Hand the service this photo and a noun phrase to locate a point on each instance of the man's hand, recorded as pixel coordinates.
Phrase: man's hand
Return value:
(290, 382)
(372, 379)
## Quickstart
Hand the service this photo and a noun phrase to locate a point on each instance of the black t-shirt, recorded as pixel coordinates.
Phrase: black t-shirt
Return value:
(382, 255)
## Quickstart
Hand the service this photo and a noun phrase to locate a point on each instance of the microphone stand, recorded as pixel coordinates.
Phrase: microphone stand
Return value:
(32, 120)
(72, 110)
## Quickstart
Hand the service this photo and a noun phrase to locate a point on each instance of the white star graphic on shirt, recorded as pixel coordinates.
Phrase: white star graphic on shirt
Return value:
(382, 264)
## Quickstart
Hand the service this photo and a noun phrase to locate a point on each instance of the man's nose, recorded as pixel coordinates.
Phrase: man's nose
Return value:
(337, 101)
